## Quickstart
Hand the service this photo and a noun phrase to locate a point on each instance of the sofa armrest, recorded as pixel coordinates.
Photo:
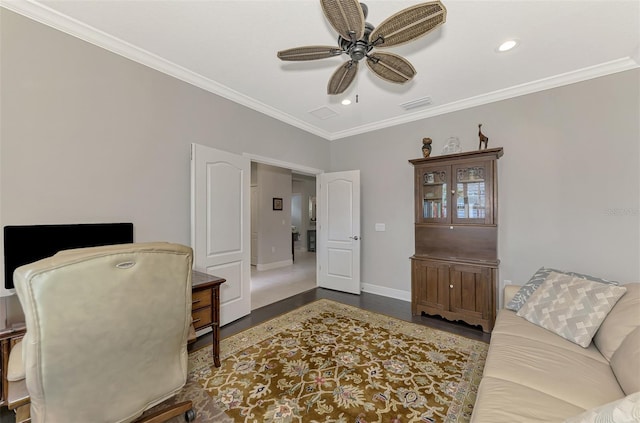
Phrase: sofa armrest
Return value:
(509, 292)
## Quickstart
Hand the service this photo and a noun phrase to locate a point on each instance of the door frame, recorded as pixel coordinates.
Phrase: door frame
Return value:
(286, 165)
(298, 168)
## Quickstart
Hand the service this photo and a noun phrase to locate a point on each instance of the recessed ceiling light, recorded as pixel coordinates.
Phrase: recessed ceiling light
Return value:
(507, 45)
(346, 102)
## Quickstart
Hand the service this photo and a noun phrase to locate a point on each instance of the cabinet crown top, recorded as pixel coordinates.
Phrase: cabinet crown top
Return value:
(493, 153)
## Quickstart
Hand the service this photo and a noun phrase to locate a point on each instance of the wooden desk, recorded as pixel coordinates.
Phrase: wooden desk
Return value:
(205, 307)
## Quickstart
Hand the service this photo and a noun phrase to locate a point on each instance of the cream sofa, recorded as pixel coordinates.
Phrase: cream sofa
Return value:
(534, 375)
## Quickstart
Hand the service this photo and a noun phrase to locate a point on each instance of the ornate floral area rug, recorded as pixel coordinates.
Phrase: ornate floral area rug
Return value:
(330, 362)
(207, 410)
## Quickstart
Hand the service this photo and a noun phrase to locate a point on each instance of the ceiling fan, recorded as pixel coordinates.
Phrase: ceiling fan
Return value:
(358, 38)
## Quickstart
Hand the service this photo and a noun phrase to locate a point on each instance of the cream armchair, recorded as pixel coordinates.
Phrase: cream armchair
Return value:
(107, 332)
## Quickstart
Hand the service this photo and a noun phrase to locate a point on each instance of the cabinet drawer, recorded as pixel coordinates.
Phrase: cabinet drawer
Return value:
(201, 299)
(201, 317)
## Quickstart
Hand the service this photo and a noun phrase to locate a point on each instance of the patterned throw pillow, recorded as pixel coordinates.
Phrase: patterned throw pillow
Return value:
(571, 307)
(625, 410)
(528, 288)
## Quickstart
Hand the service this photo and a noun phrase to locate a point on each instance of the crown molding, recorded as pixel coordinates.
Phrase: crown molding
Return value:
(75, 28)
(603, 69)
(50, 17)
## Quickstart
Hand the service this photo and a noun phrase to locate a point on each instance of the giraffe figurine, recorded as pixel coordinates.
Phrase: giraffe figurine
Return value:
(483, 138)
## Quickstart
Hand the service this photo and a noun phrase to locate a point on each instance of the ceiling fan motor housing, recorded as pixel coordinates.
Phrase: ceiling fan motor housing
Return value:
(359, 49)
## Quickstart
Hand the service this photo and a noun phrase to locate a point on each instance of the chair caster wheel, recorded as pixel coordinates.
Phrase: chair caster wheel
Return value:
(190, 415)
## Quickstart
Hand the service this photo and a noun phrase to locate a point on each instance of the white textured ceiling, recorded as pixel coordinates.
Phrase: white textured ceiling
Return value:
(229, 48)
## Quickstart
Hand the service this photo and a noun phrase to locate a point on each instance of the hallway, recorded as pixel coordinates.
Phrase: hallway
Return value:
(269, 286)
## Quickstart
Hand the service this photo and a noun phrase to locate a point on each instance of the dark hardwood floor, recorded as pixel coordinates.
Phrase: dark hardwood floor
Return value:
(376, 303)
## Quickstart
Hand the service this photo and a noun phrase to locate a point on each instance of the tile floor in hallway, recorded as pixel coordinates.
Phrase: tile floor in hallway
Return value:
(269, 286)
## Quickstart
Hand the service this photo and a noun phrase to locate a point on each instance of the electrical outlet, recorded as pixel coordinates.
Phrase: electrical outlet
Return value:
(508, 282)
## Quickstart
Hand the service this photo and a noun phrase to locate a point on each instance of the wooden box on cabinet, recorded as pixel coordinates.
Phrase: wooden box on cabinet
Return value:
(454, 268)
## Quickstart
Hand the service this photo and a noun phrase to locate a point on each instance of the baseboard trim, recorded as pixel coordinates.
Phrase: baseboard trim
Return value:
(274, 265)
(386, 292)
(204, 331)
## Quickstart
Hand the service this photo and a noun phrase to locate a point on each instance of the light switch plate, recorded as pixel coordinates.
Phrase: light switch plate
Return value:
(380, 227)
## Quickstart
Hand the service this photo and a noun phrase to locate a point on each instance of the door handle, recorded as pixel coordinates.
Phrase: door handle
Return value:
(355, 237)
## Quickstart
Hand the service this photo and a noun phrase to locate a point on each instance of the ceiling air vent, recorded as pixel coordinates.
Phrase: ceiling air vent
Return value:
(323, 113)
(414, 104)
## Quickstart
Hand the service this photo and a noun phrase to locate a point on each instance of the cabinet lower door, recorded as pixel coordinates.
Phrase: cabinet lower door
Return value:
(430, 287)
(454, 291)
(470, 291)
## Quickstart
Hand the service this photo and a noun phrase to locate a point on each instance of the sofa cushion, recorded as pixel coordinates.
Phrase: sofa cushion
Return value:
(621, 321)
(536, 280)
(572, 307)
(508, 323)
(502, 401)
(625, 363)
(553, 370)
(624, 410)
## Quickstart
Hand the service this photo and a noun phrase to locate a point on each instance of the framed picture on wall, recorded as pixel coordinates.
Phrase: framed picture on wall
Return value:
(277, 203)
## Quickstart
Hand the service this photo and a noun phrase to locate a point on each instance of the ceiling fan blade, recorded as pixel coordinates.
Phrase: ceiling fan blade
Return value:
(342, 78)
(309, 53)
(409, 24)
(346, 17)
(391, 67)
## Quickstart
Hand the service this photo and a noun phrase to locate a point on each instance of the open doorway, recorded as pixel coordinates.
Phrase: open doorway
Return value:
(283, 216)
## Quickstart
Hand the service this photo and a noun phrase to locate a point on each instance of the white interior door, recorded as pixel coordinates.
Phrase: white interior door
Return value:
(220, 232)
(338, 250)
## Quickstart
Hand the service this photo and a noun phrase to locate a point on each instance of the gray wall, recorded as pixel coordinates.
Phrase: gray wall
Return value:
(569, 181)
(274, 226)
(89, 136)
(306, 186)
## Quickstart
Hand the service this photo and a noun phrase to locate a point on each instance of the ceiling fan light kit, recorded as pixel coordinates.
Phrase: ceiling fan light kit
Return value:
(358, 38)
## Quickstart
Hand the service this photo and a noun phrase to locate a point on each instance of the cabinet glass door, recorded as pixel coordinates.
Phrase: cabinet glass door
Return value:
(472, 188)
(435, 204)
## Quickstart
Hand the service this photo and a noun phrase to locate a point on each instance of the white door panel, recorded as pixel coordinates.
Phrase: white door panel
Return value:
(339, 231)
(230, 271)
(220, 225)
(340, 263)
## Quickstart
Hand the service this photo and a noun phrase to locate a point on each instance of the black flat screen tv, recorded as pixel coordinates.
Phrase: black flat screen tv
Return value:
(26, 244)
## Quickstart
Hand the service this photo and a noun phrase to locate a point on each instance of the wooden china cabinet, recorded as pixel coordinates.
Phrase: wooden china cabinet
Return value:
(455, 265)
